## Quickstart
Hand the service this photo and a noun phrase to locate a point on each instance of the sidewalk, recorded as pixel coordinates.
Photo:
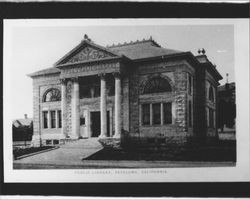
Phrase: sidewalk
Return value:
(66, 154)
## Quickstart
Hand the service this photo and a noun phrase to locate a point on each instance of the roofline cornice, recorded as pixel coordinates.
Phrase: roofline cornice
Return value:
(62, 66)
(133, 43)
(35, 75)
(188, 55)
(175, 55)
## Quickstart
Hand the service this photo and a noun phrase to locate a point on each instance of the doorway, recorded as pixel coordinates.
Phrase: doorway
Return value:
(96, 124)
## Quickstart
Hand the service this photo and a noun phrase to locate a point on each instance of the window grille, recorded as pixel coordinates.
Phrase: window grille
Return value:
(157, 85)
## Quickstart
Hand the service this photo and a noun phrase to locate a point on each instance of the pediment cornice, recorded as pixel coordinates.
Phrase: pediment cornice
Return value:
(86, 51)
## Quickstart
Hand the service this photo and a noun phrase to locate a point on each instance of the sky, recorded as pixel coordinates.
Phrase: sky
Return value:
(34, 46)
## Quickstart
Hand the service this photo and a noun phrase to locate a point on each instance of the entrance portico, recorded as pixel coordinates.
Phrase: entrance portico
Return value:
(89, 68)
(96, 94)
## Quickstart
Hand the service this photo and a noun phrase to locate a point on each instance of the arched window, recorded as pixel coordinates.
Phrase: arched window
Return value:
(52, 95)
(211, 94)
(157, 85)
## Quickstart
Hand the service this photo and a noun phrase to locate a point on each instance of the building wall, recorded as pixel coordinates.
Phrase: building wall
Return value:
(40, 84)
(211, 131)
(49, 106)
(203, 82)
(125, 103)
(176, 72)
(134, 102)
(200, 124)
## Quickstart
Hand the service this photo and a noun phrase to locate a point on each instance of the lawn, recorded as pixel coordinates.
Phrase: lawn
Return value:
(24, 151)
(219, 152)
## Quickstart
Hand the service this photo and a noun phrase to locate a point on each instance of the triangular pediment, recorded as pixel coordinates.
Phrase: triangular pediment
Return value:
(86, 51)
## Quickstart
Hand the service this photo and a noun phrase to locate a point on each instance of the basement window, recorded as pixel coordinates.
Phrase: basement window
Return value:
(55, 142)
(48, 142)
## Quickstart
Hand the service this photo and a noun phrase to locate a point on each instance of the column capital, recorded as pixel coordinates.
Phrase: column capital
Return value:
(75, 79)
(117, 74)
(102, 75)
(63, 81)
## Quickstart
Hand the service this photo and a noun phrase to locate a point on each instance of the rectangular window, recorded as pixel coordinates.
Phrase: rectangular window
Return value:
(156, 113)
(53, 119)
(190, 114)
(189, 84)
(146, 114)
(59, 113)
(211, 118)
(82, 121)
(167, 113)
(45, 119)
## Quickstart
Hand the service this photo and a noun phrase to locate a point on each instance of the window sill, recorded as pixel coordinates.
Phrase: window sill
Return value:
(50, 102)
(50, 128)
(157, 125)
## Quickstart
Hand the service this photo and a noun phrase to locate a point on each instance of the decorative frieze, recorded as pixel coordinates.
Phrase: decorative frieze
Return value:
(88, 54)
(81, 70)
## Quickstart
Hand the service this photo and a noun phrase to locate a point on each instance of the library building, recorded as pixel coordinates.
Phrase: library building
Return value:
(137, 88)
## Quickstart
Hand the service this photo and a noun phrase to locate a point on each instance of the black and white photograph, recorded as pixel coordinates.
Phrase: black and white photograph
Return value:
(125, 99)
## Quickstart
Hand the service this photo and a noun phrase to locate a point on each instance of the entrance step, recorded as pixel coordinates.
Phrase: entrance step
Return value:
(89, 143)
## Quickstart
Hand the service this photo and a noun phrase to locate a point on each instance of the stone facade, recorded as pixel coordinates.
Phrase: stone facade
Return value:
(181, 112)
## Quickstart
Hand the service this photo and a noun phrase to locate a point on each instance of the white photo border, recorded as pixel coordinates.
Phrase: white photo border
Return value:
(240, 172)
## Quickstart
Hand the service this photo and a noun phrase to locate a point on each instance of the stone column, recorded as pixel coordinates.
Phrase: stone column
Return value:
(75, 109)
(103, 107)
(110, 122)
(63, 107)
(117, 105)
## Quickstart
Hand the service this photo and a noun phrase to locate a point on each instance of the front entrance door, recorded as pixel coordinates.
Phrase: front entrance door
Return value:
(96, 123)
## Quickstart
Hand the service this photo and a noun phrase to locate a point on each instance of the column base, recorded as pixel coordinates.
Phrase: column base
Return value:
(114, 143)
(36, 141)
(102, 136)
(117, 135)
(74, 137)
